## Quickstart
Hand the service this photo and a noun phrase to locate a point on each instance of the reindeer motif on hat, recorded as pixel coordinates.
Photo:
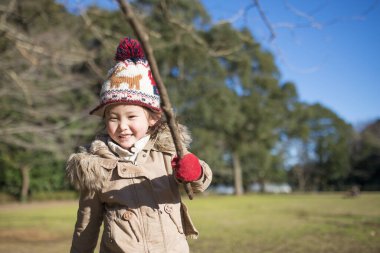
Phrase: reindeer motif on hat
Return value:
(116, 80)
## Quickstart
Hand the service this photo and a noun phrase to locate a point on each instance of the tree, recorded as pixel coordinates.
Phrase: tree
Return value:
(42, 90)
(323, 141)
(366, 158)
(223, 85)
(243, 104)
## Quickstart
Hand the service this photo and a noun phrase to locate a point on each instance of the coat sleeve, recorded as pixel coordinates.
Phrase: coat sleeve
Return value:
(89, 220)
(205, 180)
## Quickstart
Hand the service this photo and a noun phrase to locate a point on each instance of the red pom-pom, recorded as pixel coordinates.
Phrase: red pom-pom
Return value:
(129, 49)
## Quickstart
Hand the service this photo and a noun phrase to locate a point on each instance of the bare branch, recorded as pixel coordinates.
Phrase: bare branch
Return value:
(23, 42)
(8, 10)
(23, 87)
(166, 105)
(95, 31)
(265, 20)
(312, 22)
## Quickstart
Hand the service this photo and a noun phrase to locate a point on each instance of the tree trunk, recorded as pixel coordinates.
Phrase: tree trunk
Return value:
(300, 175)
(262, 185)
(25, 183)
(238, 184)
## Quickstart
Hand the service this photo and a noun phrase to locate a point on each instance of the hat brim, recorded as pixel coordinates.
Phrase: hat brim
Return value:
(100, 109)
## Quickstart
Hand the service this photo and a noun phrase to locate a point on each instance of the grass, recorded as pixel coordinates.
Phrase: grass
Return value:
(295, 223)
(253, 223)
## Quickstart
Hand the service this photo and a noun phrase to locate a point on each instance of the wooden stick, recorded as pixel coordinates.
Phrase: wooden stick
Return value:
(165, 101)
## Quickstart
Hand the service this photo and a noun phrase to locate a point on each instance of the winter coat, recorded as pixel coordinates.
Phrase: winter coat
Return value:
(139, 204)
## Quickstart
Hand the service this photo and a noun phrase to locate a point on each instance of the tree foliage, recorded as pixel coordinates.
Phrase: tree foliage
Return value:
(366, 158)
(322, 143)
(224, 86)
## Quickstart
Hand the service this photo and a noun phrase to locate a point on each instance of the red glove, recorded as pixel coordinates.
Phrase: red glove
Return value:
(187, 169)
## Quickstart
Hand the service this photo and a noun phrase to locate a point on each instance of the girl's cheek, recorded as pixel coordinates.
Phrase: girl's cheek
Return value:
(111, 126)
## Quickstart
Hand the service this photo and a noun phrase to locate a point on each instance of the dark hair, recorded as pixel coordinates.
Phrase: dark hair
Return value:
(161, 121)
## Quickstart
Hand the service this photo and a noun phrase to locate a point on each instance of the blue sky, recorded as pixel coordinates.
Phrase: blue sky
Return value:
(335, 62)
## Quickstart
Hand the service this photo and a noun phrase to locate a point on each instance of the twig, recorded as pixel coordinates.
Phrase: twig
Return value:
(165, 101)
(265, 20)
(23, 87)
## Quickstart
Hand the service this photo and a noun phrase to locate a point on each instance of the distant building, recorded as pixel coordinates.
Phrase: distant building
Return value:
(255, 187)
(222, 189)
(271, 188)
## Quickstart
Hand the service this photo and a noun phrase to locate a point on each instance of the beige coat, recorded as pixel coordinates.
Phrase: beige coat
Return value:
(140, 205)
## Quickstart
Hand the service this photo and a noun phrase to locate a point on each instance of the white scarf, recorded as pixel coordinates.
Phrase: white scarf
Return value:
(131, 154)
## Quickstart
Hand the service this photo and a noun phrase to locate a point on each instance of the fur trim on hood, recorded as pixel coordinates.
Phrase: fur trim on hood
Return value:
(90, 168)
(89, 172)
(164, 140)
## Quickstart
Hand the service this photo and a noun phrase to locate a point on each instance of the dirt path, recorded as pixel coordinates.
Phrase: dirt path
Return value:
(37, 204)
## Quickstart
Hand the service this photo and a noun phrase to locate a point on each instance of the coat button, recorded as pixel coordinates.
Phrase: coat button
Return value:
(168, 209)
(127, 215)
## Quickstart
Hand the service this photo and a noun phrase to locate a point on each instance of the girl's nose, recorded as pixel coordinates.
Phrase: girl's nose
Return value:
(123, 125)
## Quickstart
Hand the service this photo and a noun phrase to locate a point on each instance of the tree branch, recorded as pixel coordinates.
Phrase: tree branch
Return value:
(165, 101)
(265, 20)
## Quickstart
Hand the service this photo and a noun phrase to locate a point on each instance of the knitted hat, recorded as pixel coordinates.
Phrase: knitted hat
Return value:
(130, 81)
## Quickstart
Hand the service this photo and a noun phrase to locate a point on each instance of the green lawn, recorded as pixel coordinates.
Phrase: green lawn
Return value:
(253, 223)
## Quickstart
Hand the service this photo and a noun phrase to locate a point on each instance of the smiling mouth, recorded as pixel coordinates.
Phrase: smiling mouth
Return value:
(125, 136)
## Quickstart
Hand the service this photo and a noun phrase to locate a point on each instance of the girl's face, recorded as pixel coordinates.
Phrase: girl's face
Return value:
(127, 124)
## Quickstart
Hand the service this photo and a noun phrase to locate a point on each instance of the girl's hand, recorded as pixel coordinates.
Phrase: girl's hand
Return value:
(188, 168)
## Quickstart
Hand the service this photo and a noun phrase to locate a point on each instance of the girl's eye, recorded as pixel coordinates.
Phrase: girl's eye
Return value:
(112, 119)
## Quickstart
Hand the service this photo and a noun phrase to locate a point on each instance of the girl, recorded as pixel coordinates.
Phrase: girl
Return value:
(130, 178)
